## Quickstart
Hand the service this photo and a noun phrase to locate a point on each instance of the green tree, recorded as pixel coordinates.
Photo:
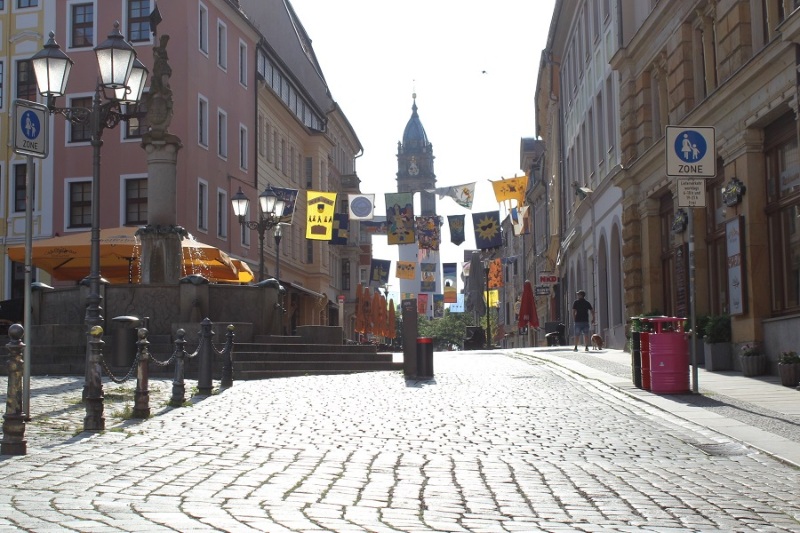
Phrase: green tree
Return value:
(448, 330)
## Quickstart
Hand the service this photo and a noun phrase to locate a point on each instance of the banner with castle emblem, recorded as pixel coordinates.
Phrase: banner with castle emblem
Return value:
(487, 229)
(427, 277)
(379, 271)
(320, 210)
(449, 274)
(341, 229)
(456, 223)
(400, 217)
(510, 189)
(289, 197)
(427, 229)
(406, 269)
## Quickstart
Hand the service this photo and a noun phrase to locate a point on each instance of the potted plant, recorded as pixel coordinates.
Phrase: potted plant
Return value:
(753, 360)
(717, 343)
(789, 369)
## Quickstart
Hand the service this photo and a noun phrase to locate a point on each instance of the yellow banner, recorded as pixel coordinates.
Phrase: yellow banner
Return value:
(320, 210)
(510, 189)
(406, 269)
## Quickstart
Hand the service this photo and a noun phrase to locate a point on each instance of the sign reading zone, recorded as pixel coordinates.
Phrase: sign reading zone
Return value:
(691, 152)
(30, 128)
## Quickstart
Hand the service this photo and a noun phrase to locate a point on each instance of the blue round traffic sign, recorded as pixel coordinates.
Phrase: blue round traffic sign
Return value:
(30, 125)
(690, 146)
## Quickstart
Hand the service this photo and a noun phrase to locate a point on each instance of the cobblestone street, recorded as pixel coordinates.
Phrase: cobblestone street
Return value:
(493, 443)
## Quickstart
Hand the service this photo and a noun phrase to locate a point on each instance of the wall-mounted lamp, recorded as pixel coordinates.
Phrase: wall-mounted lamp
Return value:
(582, 192)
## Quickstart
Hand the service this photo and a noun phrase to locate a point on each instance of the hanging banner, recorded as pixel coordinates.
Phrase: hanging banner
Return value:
(289, 197)
(463, 195)
(400, 217)
(361, 206)
(487, 229)
(368, 228)
(406, 269)
(341, 229)
(520, 220)
(422, 304)
(450, 286)
(320, 211)
(428, 277)
(438, 305)
(427, 230)
(510, 189)
(379, 271)
(456, 223)
(458, 307)
(496, 273)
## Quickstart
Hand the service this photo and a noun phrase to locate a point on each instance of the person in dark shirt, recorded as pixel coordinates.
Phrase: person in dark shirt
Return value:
(581, 309)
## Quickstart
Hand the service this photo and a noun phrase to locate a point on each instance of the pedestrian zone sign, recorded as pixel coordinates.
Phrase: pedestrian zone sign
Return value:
(691, 152)
(30, 128)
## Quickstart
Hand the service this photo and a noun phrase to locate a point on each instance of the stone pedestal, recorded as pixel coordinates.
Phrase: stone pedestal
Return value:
(162, 254)
(162, 195)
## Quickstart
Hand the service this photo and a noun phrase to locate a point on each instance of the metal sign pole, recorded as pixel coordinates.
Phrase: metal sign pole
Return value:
(26, 318)
(692, 314)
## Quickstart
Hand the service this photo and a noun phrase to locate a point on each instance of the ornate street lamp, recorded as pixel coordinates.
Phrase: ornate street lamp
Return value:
(124, 76)
(271, 208)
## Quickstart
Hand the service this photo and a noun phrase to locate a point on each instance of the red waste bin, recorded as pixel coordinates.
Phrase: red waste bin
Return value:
(669, 356)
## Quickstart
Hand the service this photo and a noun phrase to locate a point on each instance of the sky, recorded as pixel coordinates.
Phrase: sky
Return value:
(473, 67)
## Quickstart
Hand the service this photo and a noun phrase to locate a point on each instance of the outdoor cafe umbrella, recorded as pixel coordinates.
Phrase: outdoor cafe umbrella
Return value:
(527, 308)
(68, 257)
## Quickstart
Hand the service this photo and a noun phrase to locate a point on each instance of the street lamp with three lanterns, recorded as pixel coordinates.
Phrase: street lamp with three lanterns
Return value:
(271, 208)
(124, 76)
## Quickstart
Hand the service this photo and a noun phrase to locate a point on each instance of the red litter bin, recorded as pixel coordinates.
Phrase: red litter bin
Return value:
(669, 356)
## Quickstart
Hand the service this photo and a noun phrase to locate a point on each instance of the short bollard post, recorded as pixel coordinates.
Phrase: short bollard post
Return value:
(94, 419)
(14, 442)
(141, 398)
(424, 358)
(206, 355)
(178, 383)
(227, 364)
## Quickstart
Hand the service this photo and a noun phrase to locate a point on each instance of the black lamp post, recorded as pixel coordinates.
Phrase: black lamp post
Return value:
(124, 77)
(271, 208)
(278, 235)
(486, 264)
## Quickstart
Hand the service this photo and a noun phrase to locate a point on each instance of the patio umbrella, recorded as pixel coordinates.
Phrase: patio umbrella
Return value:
(527, 308)
(68, 257)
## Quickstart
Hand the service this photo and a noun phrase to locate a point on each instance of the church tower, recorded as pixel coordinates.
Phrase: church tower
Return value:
(415, 175)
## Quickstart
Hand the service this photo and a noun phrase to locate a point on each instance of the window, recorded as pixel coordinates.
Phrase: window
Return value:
(27, 3)
(82, 28)
(242, 147)
(243, 63)
(222, 45)
(345, 274)
(202, 206)
(138, 21)
(667, 215)
(783, 208)
(283, 156)
(222, 214)
(79, 133)
(222, 134)
(136, 125)
(136, 201)
(309, 172)
(2, 4)
(309, 252)
(26, 81)
(2, 77)
(202, 121)
(80, 204)
(262, 136)
(202, 29)
(19, 187)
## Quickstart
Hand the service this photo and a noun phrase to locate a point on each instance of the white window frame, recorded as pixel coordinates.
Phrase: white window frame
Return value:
(243, 151)
(222, 133)
(202, 28)
(202, 121)
(68, 31)
(242, 63)
(222, 45)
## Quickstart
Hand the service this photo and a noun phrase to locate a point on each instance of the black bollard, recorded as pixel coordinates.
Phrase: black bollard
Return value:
(94, 419)
(141, 398)
(206, 355)
(227, 364)
(178, 384)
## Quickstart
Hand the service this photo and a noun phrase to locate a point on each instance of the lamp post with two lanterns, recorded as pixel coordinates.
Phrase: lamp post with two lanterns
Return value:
(271, 207)
(123, 76)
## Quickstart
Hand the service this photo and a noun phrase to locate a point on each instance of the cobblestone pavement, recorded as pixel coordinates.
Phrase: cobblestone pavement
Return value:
(493, 443)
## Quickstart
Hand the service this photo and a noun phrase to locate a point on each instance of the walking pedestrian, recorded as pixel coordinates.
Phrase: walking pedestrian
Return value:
(581, 309)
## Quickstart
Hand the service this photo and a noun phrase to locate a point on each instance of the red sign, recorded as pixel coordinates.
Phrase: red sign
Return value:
(547, 278)
(341, 299)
